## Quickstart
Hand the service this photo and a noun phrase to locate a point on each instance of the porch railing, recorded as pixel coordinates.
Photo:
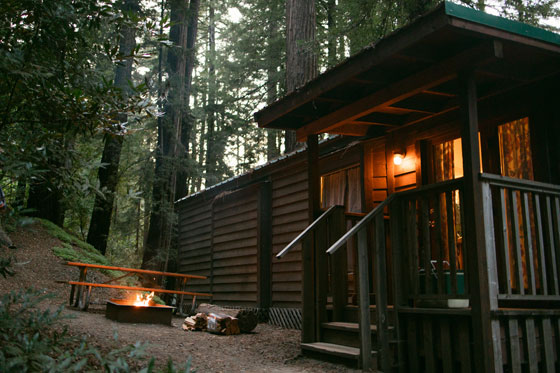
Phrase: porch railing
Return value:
(431, 225)
(318, 281)
(527, 239)
(372, 222)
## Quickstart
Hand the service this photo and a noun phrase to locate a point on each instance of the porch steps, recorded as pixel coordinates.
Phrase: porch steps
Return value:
(346, 333)
(335, 352)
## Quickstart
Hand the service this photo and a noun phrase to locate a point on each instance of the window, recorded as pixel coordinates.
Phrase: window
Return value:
(515, 149)
(343, 187)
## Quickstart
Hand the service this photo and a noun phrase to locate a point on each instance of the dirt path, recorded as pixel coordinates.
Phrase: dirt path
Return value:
(268, 349)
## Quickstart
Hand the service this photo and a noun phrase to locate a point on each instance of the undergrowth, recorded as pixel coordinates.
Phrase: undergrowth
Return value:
(34, 340)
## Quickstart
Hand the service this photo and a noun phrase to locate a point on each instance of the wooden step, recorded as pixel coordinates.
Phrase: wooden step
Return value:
(345, 333)
(332, 349)
(346, 326)
(335, 353)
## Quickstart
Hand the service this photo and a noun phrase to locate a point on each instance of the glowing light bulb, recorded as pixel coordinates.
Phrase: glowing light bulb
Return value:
(398, 159)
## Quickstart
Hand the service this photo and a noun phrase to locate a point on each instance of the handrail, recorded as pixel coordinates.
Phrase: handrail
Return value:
(355, 229)
(529, 185)
(300, 236)
(366, 219)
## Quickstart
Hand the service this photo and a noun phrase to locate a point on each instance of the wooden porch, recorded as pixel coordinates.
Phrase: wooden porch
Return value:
(462, 269)
(423, 282)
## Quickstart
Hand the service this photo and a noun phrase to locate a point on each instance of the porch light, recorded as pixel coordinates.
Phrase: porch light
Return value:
(398, 158)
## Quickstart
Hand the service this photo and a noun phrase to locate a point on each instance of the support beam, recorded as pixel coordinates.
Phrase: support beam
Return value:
(475, 232)
(309, 295)
(417, 83)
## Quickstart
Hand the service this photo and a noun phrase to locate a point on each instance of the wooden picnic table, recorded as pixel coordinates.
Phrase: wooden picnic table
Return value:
(82, 288)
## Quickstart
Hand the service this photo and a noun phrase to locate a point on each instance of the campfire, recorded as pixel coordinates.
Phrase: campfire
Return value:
(139, 309)
(144, 300)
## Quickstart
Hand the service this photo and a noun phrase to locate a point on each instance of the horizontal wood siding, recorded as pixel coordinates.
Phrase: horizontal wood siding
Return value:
(376, 173)
(194, 242)
(289, 218)
(234, 241)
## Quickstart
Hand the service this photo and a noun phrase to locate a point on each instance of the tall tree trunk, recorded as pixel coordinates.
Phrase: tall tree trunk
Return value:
(273, 58)
(301, 61)
(188, 120)
(169, 131)
(331, 37)
(211, 178)
(108, 175)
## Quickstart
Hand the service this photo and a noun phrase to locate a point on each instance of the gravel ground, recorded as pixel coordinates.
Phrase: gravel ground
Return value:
(267, 349)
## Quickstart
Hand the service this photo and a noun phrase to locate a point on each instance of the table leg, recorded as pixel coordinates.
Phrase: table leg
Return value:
(73, 287)
(83, 273)
(87, 295)
(182, 286)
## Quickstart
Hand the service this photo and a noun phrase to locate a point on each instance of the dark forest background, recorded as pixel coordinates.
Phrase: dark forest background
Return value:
(112, 110)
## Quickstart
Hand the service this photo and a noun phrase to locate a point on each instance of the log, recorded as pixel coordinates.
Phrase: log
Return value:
(196, 322)
(246, 319)
(222, 324)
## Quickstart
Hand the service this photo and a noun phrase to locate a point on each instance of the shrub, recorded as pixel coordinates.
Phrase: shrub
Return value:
(32, 340)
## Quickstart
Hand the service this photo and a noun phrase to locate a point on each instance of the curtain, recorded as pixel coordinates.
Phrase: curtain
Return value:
(516, 161)
(354, 201)
(333, 187)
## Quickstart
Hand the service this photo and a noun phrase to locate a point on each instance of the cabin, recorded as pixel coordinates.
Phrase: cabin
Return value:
(426, 236)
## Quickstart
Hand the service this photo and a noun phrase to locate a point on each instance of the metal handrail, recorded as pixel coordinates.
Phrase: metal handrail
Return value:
(312, 226)
(361, 224)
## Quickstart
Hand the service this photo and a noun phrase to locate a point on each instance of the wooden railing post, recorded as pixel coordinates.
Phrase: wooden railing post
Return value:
(363, 281)
(339, 274)
(308, 333)
(492, 268)
(400, 277)
(381, 294)
(321, 280)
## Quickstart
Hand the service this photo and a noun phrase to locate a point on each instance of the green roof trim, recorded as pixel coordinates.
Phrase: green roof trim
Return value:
(501, 23)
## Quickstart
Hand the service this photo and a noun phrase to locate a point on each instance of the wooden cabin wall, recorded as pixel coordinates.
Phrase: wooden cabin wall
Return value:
(195, 243)
(235, 248)
(375, 173)
(289, 218)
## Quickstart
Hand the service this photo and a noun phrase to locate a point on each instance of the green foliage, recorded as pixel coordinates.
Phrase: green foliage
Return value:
(32, 340)
(55, 231)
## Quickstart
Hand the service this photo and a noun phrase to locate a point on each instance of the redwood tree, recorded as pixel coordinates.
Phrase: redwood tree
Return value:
(301, 61)
(158, 241)
(108, 175)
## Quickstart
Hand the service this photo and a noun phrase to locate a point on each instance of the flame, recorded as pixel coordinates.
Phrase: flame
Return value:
(143, 299)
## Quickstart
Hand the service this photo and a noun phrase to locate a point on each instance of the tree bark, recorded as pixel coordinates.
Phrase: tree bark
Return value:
(187, 125)
(108, 175)
(273, 59)
(156, 248)
(301, 61)
(211, 178)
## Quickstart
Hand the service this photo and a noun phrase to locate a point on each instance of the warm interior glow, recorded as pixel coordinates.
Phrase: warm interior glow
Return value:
(398, 159)
(143, 299)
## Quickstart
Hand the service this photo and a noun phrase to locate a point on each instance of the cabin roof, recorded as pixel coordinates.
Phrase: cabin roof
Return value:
(411, 75)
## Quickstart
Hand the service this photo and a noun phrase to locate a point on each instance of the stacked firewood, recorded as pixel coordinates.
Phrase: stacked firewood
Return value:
(197, 322)
(215, 319)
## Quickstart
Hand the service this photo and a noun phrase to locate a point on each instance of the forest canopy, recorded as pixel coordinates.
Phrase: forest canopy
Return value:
(113, 109)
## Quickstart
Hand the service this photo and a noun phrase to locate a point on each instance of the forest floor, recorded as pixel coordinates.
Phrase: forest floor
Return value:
(267, 349)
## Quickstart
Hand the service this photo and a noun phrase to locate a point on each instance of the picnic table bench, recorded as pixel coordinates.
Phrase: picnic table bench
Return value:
(82, 289)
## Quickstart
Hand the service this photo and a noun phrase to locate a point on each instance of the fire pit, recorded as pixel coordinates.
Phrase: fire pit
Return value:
(125, 311)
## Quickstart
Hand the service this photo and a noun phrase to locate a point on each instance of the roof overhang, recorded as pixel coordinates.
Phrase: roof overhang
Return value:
(411, 75)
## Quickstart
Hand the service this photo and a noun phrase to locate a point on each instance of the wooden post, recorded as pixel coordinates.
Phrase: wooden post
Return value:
(381, 294)
(397, 227)
(475, 236)
(264, 266)
(80, 289)
(339, 265)
(309, 296)
(363, 281)
(321, 281)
